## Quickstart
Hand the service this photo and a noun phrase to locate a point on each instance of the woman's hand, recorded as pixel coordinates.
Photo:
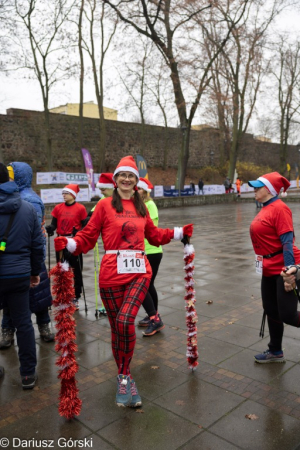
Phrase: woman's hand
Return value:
(289, 278)
(60, 243)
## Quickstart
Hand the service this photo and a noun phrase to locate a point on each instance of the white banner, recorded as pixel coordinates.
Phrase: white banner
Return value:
(55, 195)
(63, 178)
(158, 191)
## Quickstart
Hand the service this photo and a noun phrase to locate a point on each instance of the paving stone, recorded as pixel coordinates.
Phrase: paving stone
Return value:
(193, 401)
(273, 430)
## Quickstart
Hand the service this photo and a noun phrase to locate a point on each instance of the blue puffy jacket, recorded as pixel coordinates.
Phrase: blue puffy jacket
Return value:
(40, 297)
(23, 179)
(23, 255)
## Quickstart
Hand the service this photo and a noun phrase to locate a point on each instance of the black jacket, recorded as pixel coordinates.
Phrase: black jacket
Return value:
(24, 249)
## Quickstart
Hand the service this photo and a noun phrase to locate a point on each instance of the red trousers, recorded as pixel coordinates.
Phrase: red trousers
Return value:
(122, 304)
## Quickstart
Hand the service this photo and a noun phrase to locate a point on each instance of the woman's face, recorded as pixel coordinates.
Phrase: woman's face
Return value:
(125, 182)
(262, 194)
(142, 193)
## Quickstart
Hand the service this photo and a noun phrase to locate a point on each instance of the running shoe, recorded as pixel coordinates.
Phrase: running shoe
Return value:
(123, 396)
(269, 357)
(154, 327)
(29, 382)
(144, 322)
(136, 399)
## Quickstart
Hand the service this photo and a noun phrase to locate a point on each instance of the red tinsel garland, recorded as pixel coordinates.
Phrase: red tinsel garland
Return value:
(191, 313)
(63, 292)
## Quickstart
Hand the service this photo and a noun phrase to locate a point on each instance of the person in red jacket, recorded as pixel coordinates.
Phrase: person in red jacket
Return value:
(67, 219)
(125, 272)
(272, 235)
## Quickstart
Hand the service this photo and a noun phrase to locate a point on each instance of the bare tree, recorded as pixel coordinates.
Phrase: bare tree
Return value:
(48, 42)
(81, 79)
(97, 45)
(172, 26)
(287, 73)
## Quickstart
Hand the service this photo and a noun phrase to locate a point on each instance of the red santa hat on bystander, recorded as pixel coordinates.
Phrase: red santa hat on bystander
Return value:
(106, 181)
(127, 164)
(145, 184)
(72, 189)
(273, 181)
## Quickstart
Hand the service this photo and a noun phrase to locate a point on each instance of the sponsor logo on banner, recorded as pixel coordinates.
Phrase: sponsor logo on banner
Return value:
(142, 166)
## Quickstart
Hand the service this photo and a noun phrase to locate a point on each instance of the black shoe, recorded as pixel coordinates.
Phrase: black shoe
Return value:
(1, 372)
(144, 322)
(29, 382)
(154, 327)
(45, 333)
(7, 338)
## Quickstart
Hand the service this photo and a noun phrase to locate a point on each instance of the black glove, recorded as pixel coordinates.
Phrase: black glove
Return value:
(50, 230)
(185, 240)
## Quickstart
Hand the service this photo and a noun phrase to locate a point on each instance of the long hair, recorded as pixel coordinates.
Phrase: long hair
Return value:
(139, 205)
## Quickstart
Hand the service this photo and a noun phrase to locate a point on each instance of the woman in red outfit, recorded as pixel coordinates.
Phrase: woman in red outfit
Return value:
(272, 235)
(125, 272)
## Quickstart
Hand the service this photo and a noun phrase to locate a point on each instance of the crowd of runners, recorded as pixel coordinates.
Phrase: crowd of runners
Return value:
(126, 220)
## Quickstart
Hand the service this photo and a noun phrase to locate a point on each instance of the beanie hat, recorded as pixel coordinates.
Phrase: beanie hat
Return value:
(127, 164)
(272, 181)
(11, 172)
(106, 181)
(71, 189)
(3, 173)
(145, 184)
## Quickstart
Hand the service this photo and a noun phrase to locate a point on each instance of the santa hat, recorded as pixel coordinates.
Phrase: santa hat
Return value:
(127, 164)
(145, 184)
(106, 181)
(273, 181)
(71, 189)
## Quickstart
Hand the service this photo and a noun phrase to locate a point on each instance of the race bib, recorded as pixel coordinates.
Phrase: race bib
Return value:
(131, 262)
(259, 264)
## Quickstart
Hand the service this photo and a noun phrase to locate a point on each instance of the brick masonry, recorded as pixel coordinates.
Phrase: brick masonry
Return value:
(23, 138)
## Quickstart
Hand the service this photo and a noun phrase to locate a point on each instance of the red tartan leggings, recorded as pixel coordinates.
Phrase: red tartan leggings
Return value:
(122, 304)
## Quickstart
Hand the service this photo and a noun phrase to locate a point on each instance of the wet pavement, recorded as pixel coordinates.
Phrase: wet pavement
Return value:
(204, 409)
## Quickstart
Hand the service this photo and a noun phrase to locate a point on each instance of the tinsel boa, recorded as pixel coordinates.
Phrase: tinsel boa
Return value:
(63, 292)
(191, 313)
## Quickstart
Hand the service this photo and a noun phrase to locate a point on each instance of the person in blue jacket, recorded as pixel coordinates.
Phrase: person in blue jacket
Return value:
(40, 297)
(21, 259)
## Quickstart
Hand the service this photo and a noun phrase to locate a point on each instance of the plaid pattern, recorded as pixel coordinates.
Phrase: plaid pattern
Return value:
(122, 304)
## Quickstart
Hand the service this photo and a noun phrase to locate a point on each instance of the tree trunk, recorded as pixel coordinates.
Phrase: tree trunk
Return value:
(48, 140)
(183, 157)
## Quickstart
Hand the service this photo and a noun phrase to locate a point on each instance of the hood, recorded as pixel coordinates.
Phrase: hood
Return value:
(23, 174)
(10, 200)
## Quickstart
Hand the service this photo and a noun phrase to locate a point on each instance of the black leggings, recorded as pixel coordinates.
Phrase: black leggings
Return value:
(150, 303)
(280, 307)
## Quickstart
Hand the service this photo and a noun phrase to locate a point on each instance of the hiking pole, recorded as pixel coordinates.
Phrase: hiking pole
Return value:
(96, 289)
(102, 310)
(83, 291)
(80, 268)
(48, 253)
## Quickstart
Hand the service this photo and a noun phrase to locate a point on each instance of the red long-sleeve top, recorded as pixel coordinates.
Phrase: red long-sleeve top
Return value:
(119, 231)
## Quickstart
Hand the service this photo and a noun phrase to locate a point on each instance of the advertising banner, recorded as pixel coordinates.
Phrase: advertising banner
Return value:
(64, 178)
(142, 166)
(88, 167)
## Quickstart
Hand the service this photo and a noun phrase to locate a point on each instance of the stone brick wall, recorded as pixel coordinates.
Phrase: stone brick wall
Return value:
(22, 138)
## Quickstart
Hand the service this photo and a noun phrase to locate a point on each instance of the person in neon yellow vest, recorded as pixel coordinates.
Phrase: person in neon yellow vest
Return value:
(154, 254)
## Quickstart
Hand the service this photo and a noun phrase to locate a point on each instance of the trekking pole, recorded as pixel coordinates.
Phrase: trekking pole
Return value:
(48, 253)
(80, 268)
(102, 310)
(83, 291)
(96, 289)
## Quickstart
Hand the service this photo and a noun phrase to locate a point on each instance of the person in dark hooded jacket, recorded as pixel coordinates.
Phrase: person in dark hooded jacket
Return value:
(21, 259)
(40, 297)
